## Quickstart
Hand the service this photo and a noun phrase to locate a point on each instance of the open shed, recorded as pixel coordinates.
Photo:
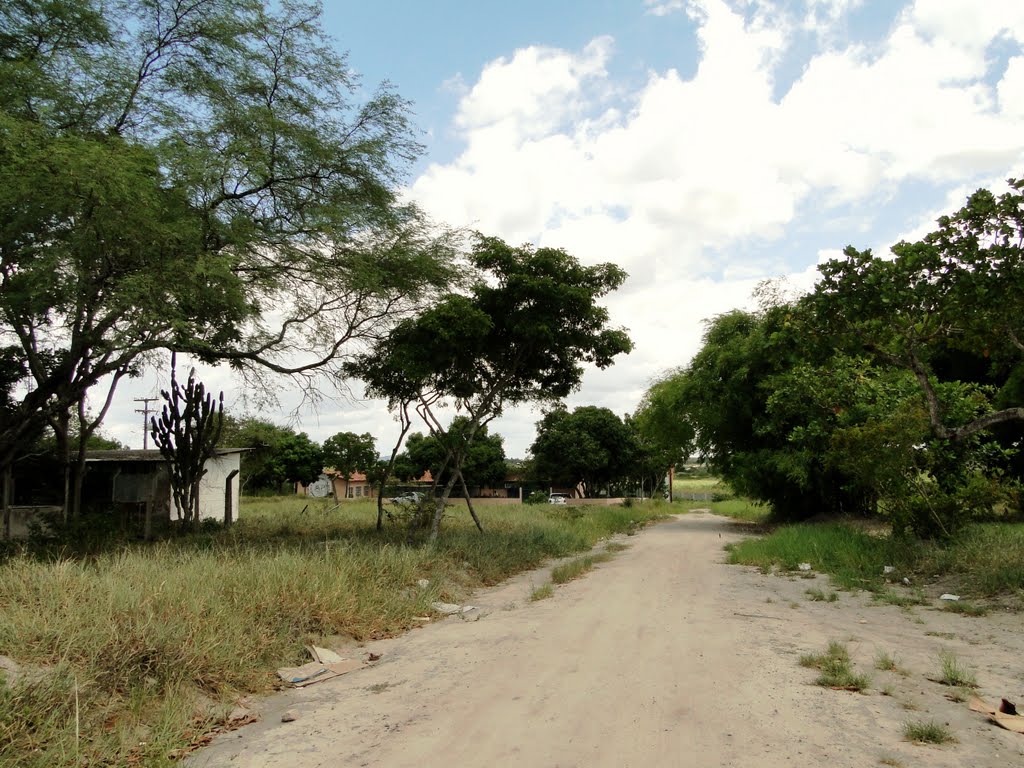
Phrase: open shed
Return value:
(135, 486)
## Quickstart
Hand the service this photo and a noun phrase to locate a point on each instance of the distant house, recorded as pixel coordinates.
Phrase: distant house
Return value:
(135, 486)
(334, 483)
(356, 487)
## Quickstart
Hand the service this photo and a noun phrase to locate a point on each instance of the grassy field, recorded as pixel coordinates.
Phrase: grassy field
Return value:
(130, 653)
(986, 562)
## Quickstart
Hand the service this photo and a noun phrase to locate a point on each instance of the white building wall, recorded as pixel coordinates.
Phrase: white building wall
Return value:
(211, 487)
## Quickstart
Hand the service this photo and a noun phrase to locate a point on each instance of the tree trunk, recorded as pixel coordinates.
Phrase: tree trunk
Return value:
(435, 524)
(469, 503)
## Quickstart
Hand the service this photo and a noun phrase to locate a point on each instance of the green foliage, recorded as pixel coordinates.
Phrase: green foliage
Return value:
(836, 669)
(347, 453)
(277, 455)
(172, 177)
(896, 387)
(537, 497)
(927, 732)
(742, 399)
(541, 593)
(483, 463)
(954, 673)
(521, 333)
(590, 447)
(577, 567)
(986, 559)
(671, 438)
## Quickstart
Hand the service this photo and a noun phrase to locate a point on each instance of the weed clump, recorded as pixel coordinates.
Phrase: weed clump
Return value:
(542, 592)
(575, 568)
(836, 669)
(955, 673)
(926, 732)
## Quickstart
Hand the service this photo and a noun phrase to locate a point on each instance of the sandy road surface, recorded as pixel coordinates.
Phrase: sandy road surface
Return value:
(661, 657)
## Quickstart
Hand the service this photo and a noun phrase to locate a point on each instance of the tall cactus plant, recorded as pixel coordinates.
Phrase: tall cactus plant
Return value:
(186, 434)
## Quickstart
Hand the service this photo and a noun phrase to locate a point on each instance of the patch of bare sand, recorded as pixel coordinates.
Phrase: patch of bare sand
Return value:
(663, 656)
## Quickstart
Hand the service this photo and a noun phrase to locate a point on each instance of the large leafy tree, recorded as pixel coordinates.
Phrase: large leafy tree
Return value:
(347, 453)
(521, 333)
(896, 383)
(739, 401)
(956, 293)
(590, 448)
(193, 176)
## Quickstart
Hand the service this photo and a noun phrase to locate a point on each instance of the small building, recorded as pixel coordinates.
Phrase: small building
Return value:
(142, 477)
(135, 486)
(334, 484)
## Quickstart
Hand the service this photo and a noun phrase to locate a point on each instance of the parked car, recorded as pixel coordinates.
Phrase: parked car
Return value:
(557, 498)
(412, 497)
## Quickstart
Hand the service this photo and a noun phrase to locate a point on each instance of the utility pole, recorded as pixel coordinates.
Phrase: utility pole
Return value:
(145, 418)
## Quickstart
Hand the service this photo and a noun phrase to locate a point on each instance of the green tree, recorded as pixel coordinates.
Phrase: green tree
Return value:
(483, 466)
(521, 333)
(960, 288)
(590, 448)
(298, 460)
(197, 177)
(276, 455)
(347, 453)
(739, 400)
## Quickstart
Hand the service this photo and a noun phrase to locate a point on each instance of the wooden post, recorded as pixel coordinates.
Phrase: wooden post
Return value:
(5, 500)
(228, 498)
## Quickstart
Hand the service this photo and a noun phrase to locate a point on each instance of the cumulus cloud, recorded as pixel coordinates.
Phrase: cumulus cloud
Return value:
(673, 179)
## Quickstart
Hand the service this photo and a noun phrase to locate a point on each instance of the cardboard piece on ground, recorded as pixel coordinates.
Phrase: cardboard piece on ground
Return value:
(323, 655)
(1013, 723)
(315, 671)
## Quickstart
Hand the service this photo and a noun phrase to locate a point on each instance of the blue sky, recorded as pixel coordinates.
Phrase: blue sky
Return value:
(704, 145)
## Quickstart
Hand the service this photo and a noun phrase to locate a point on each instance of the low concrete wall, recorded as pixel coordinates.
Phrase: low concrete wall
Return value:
(485, 501)
(22, 516)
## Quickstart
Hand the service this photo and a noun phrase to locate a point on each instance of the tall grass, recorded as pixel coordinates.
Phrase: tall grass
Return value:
(985, 561)
(156, 641)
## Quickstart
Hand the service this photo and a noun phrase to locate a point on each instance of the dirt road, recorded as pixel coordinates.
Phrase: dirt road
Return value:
(663, 656)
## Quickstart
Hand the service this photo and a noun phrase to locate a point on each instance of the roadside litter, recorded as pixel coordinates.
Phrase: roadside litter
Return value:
(325, 665)
(450, 609)
(1005, 716)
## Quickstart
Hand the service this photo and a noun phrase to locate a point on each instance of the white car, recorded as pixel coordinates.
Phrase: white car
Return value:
(557, 498)
(412, 497)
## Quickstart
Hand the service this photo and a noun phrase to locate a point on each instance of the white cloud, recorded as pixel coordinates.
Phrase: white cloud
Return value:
(1011, 88)
(690, 169)
(535, 91)
(968, 23)
(664, 7)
